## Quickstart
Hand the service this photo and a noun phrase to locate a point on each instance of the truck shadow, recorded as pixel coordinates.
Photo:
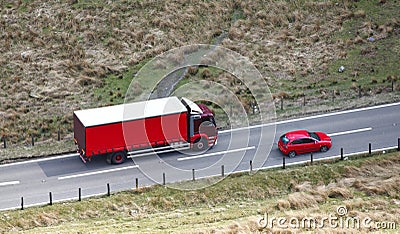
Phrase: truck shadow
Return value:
(74, 165)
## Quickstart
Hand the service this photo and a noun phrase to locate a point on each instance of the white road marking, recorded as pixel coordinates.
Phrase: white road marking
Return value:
(9, 183)
(301, 162)
(310, 117)
(96, 172)
(349, 132)
(226, 131)
(40, 160)
(228, 173)
(216, 153)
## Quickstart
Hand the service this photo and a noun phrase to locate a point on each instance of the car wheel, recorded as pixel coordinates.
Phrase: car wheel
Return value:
(324, 148)
(292, 154)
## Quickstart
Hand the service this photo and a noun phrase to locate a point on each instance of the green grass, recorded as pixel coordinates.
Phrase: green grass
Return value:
(115, 86)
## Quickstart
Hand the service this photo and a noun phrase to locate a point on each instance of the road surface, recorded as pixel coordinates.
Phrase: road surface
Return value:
(351, 130)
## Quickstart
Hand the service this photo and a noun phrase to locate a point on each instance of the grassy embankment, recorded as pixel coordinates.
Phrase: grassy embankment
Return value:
(59, 57)
(368, 186)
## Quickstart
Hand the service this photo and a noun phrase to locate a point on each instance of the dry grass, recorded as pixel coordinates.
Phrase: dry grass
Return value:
(56, 55)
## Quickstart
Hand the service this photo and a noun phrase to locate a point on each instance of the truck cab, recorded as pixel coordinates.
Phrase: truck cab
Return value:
(202, 127)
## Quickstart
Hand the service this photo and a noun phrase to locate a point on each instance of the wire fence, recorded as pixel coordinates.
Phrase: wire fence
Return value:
(338, 96)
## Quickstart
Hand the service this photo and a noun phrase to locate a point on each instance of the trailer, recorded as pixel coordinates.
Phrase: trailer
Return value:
(138, 129)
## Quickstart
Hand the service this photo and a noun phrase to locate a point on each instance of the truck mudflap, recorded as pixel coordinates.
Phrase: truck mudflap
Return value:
(81, 155)
(83, 158)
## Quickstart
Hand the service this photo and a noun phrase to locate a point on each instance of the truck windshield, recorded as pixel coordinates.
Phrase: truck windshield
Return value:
(284, 139)
(210, 119)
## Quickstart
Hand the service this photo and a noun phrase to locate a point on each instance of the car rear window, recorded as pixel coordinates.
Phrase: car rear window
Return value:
(284, 139)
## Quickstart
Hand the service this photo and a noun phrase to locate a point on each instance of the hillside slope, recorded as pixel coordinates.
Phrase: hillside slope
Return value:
(61, 56)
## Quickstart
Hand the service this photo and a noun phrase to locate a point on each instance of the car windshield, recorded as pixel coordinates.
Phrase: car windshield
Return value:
(314, 135)
(284, 139)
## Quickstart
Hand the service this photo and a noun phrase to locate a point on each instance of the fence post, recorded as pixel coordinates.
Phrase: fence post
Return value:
(398, 144)
(108, 189)
(58, 135)
(33, 140)
(51, 198)
(304, 99)
(341, 154)
(392, 85)
(163, 178)
(251, 166)
(312, 158)
(137, 183)
(222, 171)
(369, 148)
(22, 203)
(281, 103)
(193, 175)
(283, 163)
(80, 194)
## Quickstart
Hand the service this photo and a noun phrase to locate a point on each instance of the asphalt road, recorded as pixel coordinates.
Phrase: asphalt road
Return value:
(62, 176)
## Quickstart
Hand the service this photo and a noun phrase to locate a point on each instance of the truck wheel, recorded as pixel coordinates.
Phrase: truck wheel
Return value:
(201, 145)
(118, 157)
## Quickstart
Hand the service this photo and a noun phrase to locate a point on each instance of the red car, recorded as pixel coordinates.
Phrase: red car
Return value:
(302, 141)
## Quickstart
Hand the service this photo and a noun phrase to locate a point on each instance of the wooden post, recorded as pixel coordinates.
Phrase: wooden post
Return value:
(4, 142)
(137, 183)
(392, 85)
(359, 91)
(333, 95)
(283, 163)
(33, 140)
(341, 154)
(22, 203)
(304, 99)
(281, 103)
(222, 171)
(163, 178)
(398, 144)
(312, 158)
(51, 198)
(80, 194)
(193, 175)
(58, 135)
(369, 149)
(108, 189)
(251, 166)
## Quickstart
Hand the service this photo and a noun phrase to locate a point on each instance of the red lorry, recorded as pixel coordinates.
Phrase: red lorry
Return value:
(128, 130)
